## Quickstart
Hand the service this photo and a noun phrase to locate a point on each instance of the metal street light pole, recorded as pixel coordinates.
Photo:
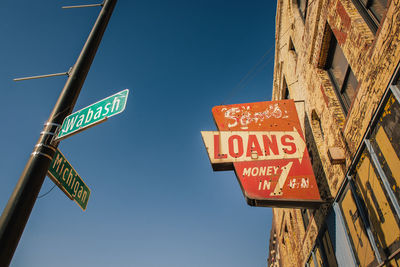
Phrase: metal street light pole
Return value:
(19, 206)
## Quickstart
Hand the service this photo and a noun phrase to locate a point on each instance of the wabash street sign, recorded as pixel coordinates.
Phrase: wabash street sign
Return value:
(93, 114)
(264, 144)
(68, 180)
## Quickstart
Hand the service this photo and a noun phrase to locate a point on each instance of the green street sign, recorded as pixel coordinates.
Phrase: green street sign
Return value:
(93, 114)
(68, 180)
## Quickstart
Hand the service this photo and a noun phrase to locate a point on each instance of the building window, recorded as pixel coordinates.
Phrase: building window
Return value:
(372, 11)
(318, 257)
(302, 4)
(291, 46)
(285, 89)
(326, 243)
(371, 209)
(380, 212)
(364, 224)
(343, 78)
(322, 254)
(377, 177)
(357, 231)
(385, 143)
(305, 214)
(292, 52)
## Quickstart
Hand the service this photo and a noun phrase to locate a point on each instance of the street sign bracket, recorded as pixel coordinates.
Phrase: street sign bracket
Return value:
(44, 76)
(80, 6)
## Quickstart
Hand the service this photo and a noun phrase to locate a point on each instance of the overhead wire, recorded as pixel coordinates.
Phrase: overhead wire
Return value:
(247, 78)
(48, 192)
(253, 72)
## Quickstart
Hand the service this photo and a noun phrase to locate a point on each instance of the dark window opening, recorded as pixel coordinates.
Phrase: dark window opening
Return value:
(302, 4)
(324, 253)
(372, 11)
(305, 214)
(341, 74)
(285, 90)
(291, 45)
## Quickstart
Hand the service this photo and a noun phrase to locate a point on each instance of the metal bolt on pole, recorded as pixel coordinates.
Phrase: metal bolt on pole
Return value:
(19, 206)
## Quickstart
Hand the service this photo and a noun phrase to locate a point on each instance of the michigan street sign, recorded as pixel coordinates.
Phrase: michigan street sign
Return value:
(93, 114)
(68, 180)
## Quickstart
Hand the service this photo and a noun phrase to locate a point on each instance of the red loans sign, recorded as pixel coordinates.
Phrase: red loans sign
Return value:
(264, 144)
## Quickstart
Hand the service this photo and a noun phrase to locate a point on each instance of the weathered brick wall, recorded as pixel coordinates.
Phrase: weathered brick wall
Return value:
(373, 59)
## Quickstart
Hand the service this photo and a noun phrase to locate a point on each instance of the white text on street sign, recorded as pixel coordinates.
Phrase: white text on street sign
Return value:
(93, 114)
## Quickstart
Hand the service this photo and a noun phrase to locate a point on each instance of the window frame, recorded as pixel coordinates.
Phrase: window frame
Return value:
(303, 15)
(306, 217)
(374, 212)
(362, 215)
(320, 247)
(368, 16)
(285, 89)
(291, 46)
(339, 89)
(392, 89)
(349, 186)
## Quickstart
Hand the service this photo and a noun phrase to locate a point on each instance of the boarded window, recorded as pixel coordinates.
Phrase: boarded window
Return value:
(377, 176)
(357, 232)
(339, 239)
(380, 210)
(385, 140)
(370, 203)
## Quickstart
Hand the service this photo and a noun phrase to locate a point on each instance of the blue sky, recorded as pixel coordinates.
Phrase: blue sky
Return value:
(155, 200)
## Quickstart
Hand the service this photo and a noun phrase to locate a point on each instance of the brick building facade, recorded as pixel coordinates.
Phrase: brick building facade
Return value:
(341, 59)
